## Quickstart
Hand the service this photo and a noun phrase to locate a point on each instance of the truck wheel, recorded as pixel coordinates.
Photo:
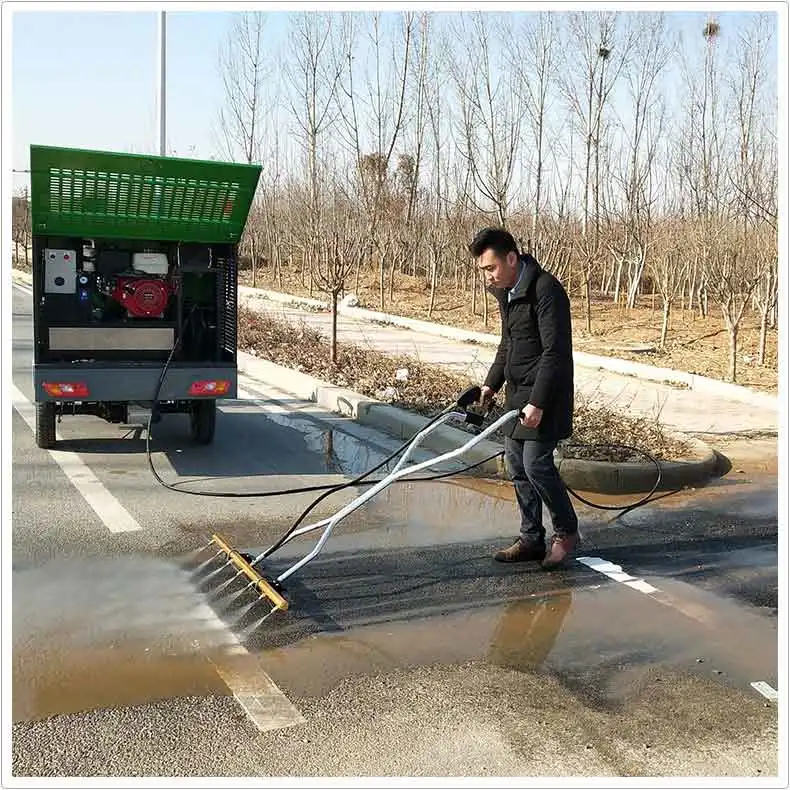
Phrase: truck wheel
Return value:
(45, 424)
(202, 420)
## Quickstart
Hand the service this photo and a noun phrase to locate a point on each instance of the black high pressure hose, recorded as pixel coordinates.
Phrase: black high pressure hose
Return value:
(465, 399)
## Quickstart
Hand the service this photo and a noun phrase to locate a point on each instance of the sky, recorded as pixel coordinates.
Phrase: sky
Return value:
(89, 79)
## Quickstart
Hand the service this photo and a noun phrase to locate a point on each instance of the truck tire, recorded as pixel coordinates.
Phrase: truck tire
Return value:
(202, 420)
(45, 425)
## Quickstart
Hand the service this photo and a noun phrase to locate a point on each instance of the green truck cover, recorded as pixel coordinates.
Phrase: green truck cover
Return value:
(103, 194)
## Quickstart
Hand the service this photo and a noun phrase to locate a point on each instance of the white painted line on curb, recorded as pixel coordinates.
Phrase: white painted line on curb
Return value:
(766, 690)
(616, 573)
(111, 512)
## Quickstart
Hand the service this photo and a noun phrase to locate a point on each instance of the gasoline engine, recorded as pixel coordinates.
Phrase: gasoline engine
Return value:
(142, 289)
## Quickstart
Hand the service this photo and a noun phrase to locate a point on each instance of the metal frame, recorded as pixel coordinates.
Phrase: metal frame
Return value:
(400, 471)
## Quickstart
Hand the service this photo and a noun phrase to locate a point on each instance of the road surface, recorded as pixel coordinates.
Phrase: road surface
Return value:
(407, 650)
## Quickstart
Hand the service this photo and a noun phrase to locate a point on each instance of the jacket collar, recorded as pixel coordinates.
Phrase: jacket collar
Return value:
(530, 269)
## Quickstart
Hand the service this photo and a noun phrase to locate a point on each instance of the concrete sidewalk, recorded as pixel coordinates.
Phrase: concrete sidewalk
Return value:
(687, 411)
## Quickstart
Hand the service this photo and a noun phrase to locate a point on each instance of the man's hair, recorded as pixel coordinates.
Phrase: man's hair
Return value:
(496, 239)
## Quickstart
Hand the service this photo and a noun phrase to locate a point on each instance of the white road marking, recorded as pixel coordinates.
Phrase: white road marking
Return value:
(766, 690)
(259, 696)
(616, 573)
(111, 512)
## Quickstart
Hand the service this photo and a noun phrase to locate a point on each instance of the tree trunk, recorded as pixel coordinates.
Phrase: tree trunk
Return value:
(254, 257)
(588, 302)
(732, 329)
(381, 282)
(634, 285)
(392, 281)
(434, 269)
(763, 335)
(618, 279)
(692, 289)
(333, 338)
(665, 322)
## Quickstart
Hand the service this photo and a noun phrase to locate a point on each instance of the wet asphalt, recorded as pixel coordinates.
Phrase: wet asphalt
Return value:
(406, 649)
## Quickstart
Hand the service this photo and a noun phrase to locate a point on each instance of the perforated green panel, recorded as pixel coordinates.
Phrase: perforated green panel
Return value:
(102, 194)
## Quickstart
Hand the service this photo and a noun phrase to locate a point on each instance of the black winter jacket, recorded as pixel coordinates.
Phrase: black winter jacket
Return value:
(535, 355)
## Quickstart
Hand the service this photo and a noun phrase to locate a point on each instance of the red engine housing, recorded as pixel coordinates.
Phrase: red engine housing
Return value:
(142, 297)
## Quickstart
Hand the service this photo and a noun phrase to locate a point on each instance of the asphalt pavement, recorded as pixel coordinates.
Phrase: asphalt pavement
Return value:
(406, 650)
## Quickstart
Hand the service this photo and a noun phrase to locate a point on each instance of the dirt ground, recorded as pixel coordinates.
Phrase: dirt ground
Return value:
(695, 345)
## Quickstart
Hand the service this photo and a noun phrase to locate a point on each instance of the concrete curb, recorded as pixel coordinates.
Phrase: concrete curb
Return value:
(604, 477)
(701, 384)
(595, 476)
(391, 420)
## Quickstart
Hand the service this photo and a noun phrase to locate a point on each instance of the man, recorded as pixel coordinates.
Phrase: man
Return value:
(535, 360)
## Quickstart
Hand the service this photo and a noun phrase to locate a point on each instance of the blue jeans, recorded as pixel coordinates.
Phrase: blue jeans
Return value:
(536, 480)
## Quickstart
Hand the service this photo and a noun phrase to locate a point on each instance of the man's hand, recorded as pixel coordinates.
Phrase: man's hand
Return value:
(486, 396)
(531, 416)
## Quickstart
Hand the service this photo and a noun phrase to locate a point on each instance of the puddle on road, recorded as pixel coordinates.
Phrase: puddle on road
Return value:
(116, 643)
(602, 641)
(50, 682)
(340, 451)
(519, 635)
(107, 632)
(135, 629)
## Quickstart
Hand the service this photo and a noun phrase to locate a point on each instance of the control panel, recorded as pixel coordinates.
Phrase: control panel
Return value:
(60, 271)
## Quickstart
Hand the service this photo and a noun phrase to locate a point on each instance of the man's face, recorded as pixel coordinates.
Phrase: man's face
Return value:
(498, 272)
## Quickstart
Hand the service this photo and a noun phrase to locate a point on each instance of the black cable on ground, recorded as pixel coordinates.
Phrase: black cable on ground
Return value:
(361, 480)
(644, 500)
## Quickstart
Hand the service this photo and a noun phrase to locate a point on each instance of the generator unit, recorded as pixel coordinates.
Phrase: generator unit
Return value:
(134, 284)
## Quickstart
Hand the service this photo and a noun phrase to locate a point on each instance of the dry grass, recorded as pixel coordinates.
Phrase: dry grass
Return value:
(695, 345)
(363, 370)
(428, 389)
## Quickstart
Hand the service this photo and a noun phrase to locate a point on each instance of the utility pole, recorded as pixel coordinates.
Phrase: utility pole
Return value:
(162, 83)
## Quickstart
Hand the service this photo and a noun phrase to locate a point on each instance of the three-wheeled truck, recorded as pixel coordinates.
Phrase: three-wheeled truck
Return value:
(134, 284)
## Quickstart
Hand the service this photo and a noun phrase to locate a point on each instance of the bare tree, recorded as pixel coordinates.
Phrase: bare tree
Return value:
(21, 225)
(492, 112)
(644, 129)
(386, 106)
(336, 252)
(768, 287)
(314, 77)
(668, 264)
(537, 73)
(594, 60)
(244, 72)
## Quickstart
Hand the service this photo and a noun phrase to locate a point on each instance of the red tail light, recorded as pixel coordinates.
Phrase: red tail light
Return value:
(66, 389)
(209, 387)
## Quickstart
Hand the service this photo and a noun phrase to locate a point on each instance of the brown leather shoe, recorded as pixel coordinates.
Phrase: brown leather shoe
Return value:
(522, 552)
(561, 547)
